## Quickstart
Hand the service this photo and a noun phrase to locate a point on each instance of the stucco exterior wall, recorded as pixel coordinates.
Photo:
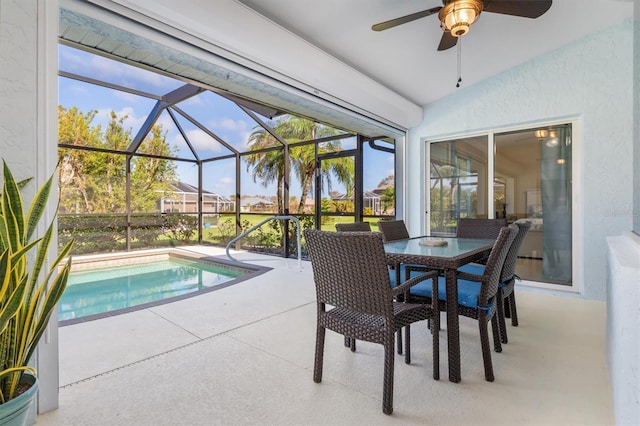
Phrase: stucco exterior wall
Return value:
(28, 136)
(18, 41)
(590, 80)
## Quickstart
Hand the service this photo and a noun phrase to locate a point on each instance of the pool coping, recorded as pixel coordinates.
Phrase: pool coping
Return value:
(129, 257)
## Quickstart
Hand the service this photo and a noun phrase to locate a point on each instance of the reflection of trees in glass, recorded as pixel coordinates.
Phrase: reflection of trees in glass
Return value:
(388, 196)
(268, 167)
(388, 199)
(94, 181)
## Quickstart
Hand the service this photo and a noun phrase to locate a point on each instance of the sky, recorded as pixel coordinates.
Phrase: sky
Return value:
(219, 115)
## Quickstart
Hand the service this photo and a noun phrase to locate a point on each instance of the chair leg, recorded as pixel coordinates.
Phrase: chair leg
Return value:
(495, 327)
(400, 298)
(514, 312)
(317, 366)
(486, 351)
(387, 390)
(507, 310)
(350, 342)
(501, 320)
(435, 347)
(435, 328)
(407, 348)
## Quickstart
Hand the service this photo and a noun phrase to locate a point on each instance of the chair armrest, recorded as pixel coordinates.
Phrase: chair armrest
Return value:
(469, 276)
(405, 286)
(418, 268)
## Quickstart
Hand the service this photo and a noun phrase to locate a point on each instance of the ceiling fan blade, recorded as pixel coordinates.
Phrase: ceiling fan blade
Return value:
(524, 8)
(404, 19)
(447, 41)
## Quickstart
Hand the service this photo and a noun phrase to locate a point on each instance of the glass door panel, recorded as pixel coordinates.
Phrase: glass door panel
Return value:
(335, 189)
(458, 183)
(536, 167)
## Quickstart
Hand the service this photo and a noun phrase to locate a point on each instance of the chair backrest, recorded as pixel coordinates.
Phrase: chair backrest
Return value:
(480, 228)
(493, 269)
(393, 230)
(350, 271)
(353, 227)
(509, 268)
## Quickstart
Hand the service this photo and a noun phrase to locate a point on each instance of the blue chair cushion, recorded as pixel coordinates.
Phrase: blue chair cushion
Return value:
(392, 274)
(476, 269)
(472, 268)
(468, 292)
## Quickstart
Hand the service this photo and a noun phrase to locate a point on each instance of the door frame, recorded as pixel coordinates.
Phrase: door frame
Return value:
(577, 234)
(358, 176)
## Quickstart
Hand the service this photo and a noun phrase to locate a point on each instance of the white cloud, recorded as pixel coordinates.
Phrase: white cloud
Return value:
(224, 184)
(96, 66)
(201, 141)
(126, 97)
(166, 122)
(103, 117)
(78, 89)
(236, 132)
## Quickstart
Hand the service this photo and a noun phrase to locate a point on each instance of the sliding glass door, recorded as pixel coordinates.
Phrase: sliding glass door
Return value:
(531, 180)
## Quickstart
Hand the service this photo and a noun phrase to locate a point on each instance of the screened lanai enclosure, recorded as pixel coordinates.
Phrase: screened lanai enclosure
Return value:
(156, 157)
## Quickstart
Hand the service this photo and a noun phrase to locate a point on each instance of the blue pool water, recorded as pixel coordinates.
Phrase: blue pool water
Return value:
(101, 291)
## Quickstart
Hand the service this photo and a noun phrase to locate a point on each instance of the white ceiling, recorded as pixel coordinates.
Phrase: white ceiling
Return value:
(401, 56)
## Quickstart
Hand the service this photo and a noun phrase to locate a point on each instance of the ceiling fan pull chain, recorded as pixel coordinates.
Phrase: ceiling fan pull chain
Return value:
(459, 62)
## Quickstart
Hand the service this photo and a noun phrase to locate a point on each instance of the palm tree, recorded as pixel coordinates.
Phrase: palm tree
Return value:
(297, 129)
(269, 166)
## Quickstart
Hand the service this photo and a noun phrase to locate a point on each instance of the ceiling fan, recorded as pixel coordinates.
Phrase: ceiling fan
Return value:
(456, 16)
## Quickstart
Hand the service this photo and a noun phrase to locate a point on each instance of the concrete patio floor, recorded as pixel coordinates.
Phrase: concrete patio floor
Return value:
(244, 355)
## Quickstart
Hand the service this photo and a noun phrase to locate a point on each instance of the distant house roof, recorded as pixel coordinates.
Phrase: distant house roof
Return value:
(366, 195)
(189, 189)
(185, 188)
(254, 201)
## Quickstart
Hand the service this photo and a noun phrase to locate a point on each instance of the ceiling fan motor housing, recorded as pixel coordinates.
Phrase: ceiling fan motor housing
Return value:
(457, 16)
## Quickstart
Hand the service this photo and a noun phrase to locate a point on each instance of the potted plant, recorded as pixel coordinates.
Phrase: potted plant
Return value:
(29, 292)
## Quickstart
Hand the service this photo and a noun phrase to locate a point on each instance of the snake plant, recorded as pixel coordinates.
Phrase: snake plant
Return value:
(30, 288)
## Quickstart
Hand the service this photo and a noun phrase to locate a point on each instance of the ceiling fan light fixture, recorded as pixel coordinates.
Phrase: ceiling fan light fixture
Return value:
(457, 16)
(540, 134)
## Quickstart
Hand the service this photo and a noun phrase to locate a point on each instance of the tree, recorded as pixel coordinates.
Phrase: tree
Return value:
(296, 129)
(269, 166)
(152, 176)
(388, 197)
(95, 182)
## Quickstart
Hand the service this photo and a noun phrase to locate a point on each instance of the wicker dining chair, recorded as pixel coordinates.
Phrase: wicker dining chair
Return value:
(477, 296)
(353, 227)
(480, 228)
(506, 287)
(393, 230)
(395, 275)
(355, 298)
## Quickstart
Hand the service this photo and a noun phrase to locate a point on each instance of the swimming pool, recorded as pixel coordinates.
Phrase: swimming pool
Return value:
(112, 285)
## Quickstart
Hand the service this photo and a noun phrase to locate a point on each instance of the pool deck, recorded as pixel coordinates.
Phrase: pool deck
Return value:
(244, 355)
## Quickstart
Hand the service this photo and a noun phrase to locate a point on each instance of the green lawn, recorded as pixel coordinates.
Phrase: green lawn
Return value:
(223, 231)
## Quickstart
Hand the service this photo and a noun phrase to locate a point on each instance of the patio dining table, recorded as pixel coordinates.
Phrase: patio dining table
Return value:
(448, 258)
